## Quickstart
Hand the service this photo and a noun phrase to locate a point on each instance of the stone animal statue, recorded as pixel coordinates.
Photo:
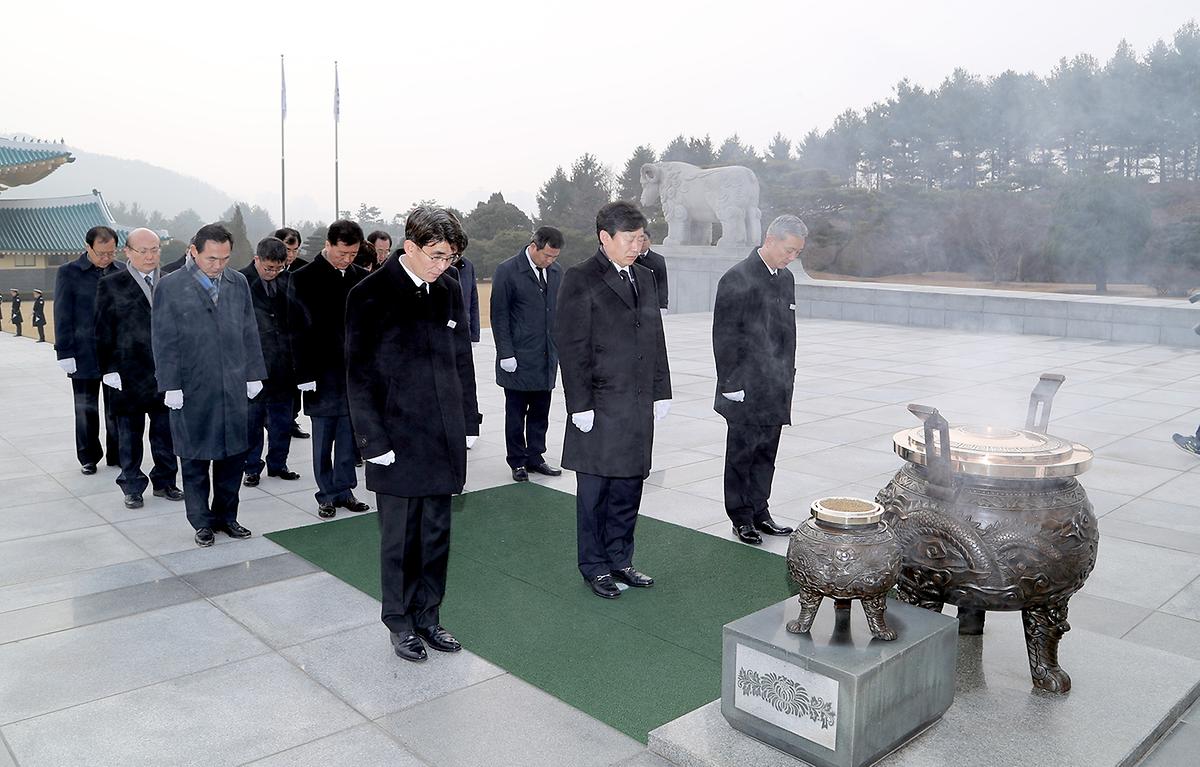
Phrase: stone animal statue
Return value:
(693, 199)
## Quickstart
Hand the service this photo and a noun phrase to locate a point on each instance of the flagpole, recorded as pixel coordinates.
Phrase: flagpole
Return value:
(336, 116)
(282, 146)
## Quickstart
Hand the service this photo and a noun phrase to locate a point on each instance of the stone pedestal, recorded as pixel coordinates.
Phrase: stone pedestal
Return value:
(837, 697)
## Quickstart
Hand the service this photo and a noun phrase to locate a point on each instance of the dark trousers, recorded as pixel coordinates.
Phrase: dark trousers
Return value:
(333, 458)
(749, 470)
(275, 415)
(606, 510)
(130, 428)
(414, 548)
(87, 422)
(41, 333)
(226, 481)
(17, 325)
(297, 402)
(526, 416)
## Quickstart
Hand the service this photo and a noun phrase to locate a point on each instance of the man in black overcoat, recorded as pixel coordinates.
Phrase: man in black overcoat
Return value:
(617, 384)
(657, 264)
(271, 291)
(321, 289)
(125, 355)
(412, 398)
(291, 238)
(39, 315)
(17, 317)
(754, 342)
(208, 363)
(75, 345)
(523, 307)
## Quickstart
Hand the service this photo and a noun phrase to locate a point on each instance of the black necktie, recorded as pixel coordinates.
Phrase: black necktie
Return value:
(149, 282)
(632, 287)
(541, 278)
(270, 288)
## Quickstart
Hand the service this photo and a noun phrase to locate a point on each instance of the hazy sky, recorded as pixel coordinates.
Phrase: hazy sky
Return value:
(454, 100)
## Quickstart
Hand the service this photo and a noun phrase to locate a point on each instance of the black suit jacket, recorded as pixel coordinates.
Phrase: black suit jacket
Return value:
(297, 264)
(523, 323)
(123, 342)
(657, 264)
(75, 314)
(754, 342)
(613, 357)
(320, 336)
(274, 315)
(411, 381)
(175, 265)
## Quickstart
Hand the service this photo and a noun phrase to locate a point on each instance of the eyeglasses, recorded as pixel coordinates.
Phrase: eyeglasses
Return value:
(447, 260)
(272, 269)
(144, 251)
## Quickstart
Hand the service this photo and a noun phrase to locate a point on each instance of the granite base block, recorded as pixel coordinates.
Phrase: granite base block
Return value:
(1124, 698)
(835, 696)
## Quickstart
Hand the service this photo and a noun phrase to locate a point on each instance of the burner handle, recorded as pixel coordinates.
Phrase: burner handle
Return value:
(937, 452)
(1040, 399)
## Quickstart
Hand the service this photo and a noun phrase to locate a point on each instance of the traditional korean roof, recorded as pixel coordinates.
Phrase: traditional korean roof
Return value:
(24, 162)
(52, 226)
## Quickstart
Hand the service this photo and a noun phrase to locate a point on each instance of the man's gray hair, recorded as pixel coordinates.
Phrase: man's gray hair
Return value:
(786, 226)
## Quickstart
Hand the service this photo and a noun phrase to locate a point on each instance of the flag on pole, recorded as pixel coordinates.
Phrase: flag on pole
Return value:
(282, 89)
(337, 96)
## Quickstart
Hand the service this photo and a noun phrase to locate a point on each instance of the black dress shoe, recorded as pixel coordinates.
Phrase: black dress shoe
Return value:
(204, 537)
(439, 639)
(88, 468)
(747, 534)
(520, 475)
(298, 433)
(234, 530)
(352, 504)
(326, 512)
(604, 586)
(547, 469)
(283, 474)
(251, 480)
(170, 493)
(134, 501)
(769, 527)
(407, 646)
(633, 577)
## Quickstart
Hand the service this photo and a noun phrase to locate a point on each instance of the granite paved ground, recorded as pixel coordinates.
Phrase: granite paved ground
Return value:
(122, 643)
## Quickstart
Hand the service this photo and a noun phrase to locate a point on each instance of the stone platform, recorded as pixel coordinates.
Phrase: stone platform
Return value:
(1125, 697)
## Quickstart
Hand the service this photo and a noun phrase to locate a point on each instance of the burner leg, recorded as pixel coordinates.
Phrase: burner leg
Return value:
(1044, 627)
(875, 608)
(809, 603)
(970, 621)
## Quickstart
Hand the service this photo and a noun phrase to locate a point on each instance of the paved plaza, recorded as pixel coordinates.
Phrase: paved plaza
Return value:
(123, 643)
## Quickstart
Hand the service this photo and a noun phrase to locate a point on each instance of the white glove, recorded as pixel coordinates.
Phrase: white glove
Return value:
(664, 312)
(584, 421)
(68, 365)
(173, 399)
(735, 396)
(471, 440)
(509, 364)
(253, 388)
(661, 408)
(310, 386)
(112, 380)
(387, 459)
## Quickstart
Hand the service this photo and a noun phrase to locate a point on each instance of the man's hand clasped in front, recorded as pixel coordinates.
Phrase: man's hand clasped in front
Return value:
(735, 396)
(509, 364)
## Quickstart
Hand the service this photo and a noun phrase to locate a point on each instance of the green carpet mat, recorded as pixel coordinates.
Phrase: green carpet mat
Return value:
(515, 597)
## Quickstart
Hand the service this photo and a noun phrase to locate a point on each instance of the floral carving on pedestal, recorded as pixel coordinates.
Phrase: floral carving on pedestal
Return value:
(787, 696)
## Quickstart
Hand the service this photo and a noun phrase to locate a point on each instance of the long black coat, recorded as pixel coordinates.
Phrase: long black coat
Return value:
(411, 381)
(523, 323)
(209, 351)
(320, 335)
(657, 264)
(274, 316)
(175, 265)
(39, 312)
(613, 357)
(15, 315)
(123, 342)
(754, 342)
(75, 314)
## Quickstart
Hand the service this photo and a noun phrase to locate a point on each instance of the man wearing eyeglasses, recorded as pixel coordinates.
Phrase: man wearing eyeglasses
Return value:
(412, 398)
(124, 300)
(613, 358)
(75, 345)
(754, 342)
(319, 345)
(271, 292)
